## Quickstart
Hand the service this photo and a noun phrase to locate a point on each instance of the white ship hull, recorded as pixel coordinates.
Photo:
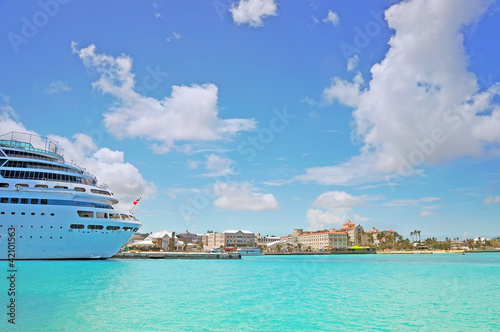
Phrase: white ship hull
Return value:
(44, 231)
(53, 210)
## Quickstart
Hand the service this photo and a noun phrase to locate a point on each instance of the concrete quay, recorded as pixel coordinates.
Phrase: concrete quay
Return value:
(175, 255)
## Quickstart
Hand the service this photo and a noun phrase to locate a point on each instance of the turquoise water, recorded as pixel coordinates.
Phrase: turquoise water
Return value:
(313, 293)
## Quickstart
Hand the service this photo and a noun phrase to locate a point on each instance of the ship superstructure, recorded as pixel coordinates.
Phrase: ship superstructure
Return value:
(51, 209)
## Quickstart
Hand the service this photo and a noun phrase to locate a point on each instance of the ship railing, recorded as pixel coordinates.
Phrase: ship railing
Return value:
(25, 141)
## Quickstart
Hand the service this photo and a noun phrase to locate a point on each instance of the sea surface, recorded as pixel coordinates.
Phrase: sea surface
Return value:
(440, 292)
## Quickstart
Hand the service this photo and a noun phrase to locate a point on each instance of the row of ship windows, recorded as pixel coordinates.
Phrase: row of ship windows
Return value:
(92, 227)
(105, 215)
(31, 164)
(22, 154)
(10, 174)
(15, 200)
(24, 213)
(99, 227)
(79, 189)
(84, 214)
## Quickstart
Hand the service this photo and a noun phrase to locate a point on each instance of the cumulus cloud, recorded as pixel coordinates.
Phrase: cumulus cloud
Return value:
(332, 18)
(252, 12)
(341, 199)
(317, 219)
(422, 106)
(320, 219)
(339, 207)
(109, 166)
(189, 114)
(218, 166)
(346, 92)
(57, 87)
(491, 200)
(235, 196)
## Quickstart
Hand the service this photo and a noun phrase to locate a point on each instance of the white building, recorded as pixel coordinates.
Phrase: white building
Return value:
(159, 240)
(263, 240)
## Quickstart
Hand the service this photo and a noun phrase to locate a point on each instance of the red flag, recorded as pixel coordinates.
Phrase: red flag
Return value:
(137, 201)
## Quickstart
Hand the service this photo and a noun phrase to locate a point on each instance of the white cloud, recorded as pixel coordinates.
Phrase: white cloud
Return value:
(491, 200)
(344, 91)
(156, 12)
(319, 219)
(341, 199)
(426, 213)
(189, 114)
(218, 166)
(339, 206)
(422, 104)
(353, 62)
(332, 18)
(234, 196)
(174, 36)
(252, 12)
(108, 166)
(193, 164)
(412, 202)
(56, 87)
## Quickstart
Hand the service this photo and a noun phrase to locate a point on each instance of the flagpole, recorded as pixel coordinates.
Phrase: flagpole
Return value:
(135, 204)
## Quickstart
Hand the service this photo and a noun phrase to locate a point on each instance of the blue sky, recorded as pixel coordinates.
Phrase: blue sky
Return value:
(268, 115)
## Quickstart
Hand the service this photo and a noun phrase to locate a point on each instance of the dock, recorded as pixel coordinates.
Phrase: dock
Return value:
(175, 255)
(361, 251)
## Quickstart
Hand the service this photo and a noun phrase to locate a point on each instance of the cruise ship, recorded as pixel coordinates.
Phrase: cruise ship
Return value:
(52, 209)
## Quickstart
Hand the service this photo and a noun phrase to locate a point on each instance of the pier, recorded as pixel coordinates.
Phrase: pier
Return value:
(175, 255)
(349, 251)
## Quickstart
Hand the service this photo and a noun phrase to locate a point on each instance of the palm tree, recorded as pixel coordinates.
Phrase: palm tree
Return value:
(411, 235)
(200, 246)
(419, 238)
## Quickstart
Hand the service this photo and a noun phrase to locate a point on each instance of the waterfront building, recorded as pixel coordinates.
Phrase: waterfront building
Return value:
(159, 240)
(188, 237)
(319, 240)
(263, 240)
(229, 238)
(323, 240)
